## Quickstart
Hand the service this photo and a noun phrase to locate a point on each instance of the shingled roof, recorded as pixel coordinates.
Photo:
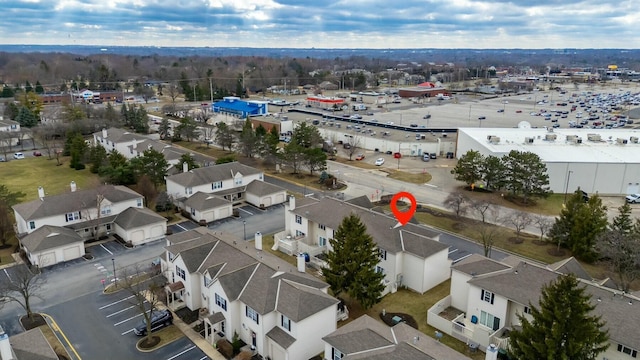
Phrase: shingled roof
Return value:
(73, 201)
(211, 174)
(137, 217)
(49, 237)
(261, 188)
(412, 238)
(203, 201)
(523, 284)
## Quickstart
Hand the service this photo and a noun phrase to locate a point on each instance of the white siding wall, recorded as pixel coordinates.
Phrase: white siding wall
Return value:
(383, 144)
(459, 290)
(413, 270)
(309, 333)
(476, 305)
(38, 258)
(437, 268)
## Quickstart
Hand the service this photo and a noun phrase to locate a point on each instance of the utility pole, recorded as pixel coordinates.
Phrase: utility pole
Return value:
(211, 90)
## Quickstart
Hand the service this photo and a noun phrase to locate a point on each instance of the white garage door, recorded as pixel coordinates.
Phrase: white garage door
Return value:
(157, 231)
(47, 259)
(137, 236)
(266, 201)
(225, 212)
(71, 253)
(279, 198)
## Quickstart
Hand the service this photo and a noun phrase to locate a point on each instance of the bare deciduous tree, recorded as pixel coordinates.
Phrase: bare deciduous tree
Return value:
(353, 142)
(457, 202)
(543, 223)
(483, 208)
(143, 285)
(22, 287)
(520, 220)
(487, 234)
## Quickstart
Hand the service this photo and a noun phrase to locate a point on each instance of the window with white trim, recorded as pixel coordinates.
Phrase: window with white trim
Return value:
(238, 180)
(285, 322)
(379, 270)
(221, 302)
(170, 256)
(108, 227)
(32, 225)
(527, 310)
(188, 190)
(216, 185)
(105, 210)
(193, 212)
(489, 320)
(487, 296)
(72, 216)
(298, 219)
(322, 241)
(139, 202)
(321, 227)
(627, 350)
(382, 253)
(336, 354)
(252, 314)
(181, 273)
(299, 233)
(207, 281)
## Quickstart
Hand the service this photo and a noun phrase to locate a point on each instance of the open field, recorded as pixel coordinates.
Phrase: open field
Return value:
(27, 174)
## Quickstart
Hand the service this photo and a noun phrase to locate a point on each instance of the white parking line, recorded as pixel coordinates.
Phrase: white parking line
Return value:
(126, 332)
(181, 227)
(120, 311)
(203, 358)
(104, 247)
(452, 251)
(250, 213)
(115, 302)
(131, 318)
(180, 353)
(6, 272)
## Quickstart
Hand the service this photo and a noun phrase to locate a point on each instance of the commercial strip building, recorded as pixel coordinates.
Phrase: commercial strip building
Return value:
(606, 161)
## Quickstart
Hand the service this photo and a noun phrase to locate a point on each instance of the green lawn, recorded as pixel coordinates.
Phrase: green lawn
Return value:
(26, 175)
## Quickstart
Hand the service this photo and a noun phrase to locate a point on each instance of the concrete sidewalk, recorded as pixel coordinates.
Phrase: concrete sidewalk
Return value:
(71, 351)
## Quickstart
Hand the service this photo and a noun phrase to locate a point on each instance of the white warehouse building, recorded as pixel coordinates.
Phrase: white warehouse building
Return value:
(606, 161)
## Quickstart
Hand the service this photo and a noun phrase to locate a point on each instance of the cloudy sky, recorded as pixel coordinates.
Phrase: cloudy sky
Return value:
(324, 23)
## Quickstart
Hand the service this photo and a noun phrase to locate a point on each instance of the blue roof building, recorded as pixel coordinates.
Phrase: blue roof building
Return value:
(232, 105)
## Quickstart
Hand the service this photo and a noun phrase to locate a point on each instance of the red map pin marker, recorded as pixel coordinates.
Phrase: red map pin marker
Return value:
(403, 217)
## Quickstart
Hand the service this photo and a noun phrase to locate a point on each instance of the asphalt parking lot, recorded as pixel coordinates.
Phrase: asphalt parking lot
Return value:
(102, 324)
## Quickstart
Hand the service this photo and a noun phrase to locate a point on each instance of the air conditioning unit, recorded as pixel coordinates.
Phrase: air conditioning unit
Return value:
(528, 140)
(489, 137)
(594, 137)
(495, 140)
(550, 137)
(572, 138)
(633, 139)
(621, 141)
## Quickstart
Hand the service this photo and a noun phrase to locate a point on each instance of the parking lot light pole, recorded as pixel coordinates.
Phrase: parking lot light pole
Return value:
(115, 279)
(244, 227)
(566, 187)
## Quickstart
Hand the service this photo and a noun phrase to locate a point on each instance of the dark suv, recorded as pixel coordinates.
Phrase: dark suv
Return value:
(159, 319)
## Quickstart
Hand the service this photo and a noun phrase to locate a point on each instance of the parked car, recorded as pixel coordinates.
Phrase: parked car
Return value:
(379, 161)
(360, 157)
(500, 110)
(18, 155)
(482, 117)
(433, 155)
(159, 319)
(37, 153)
(633, 198)
(2, 159)
(428, 116)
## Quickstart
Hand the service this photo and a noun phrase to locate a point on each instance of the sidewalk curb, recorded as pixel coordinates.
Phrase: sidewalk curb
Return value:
(66, 344)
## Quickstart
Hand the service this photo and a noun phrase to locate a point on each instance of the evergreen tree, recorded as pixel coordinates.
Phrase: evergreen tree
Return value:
(269, 148)
(579, 225)
(562, 327)
(26, 118)
(97, 157)
(247, 141)
(224, 136)
(189, 160)
(493, 170)
(152, 164)
(39, 88)
(525, 175)
(469, 167)
(7, 92)
(352, 263)
(315, 159)
(78, 150)
(622, 223)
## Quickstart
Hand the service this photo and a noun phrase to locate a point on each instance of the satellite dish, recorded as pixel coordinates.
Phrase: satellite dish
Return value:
(524, 125)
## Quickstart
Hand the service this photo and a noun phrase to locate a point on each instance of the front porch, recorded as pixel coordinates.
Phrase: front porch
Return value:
(174, 292)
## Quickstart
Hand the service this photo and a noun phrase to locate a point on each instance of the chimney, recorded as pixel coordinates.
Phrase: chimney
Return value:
(185, 167)
(73, 186)
(301, 262)
(292, 202)
(258, 240)
(40, 192)
(6, 353)
(104, 133)
(492, 352)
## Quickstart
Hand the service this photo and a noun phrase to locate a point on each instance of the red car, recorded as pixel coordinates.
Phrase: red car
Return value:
(360, 157)
(37, 153)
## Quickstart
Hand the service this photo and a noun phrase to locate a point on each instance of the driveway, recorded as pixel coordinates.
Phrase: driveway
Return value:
(98, 324)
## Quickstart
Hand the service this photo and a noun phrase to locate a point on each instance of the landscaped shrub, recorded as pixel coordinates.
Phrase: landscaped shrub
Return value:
(225, 348)
(245, 355)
